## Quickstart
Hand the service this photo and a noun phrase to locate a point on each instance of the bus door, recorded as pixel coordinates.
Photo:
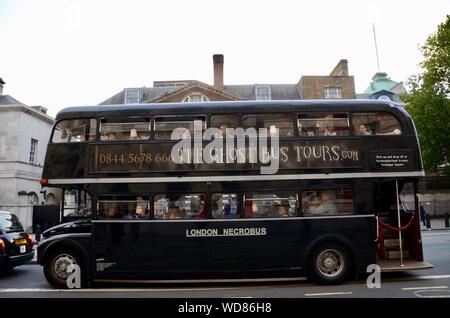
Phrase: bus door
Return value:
(399, 236)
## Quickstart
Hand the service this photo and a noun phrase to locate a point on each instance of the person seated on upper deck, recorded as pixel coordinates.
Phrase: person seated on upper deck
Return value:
(329, 130)
(109, 136)
(133, 134)
(364, 131)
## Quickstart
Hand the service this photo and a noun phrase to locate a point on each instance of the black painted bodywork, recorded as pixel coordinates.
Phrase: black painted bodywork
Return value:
(160, 249)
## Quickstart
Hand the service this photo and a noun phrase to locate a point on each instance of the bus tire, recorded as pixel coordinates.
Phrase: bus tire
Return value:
(329, 264)
(56, 265)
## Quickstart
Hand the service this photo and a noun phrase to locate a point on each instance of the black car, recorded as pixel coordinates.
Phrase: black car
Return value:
(16, 246)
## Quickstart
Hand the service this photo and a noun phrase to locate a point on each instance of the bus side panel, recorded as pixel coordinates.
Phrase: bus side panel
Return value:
(66, 160)
(206, 249)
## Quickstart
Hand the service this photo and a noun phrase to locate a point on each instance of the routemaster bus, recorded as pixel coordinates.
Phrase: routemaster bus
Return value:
(183, 191)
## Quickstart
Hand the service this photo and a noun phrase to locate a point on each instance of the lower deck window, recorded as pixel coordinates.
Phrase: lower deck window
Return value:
(270, 205)
(77, 203)
(176, 206)
(123, 208)
(327, 202)
(225, 205)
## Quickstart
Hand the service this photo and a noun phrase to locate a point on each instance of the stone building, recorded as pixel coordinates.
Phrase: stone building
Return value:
(24, 134)
(337, 85)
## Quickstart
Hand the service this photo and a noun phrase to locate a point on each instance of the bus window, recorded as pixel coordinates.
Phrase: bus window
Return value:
(327, 202)
(225, 205)
(270, 205)
(222, 122)
(366, 124)
(77, 204)
(123, 208)
(323, 125)
(284, 122)
(165, 125)
(75, 130)
(120, 129)
(176, 206)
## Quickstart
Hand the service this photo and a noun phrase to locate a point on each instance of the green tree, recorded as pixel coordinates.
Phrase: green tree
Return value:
(428, 100)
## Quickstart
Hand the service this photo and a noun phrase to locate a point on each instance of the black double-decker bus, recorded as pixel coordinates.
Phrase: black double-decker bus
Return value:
(342, 197)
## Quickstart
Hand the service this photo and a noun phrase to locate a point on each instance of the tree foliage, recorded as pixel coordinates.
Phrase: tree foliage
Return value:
(428, 101)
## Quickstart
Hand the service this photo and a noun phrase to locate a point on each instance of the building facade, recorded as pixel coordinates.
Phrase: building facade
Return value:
(24, 134)
(337, 85)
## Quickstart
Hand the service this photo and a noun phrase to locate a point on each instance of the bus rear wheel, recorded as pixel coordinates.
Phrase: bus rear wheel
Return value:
(56, 267)
(329, 264)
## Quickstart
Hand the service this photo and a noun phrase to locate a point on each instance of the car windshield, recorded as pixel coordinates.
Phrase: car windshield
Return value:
(10, 223)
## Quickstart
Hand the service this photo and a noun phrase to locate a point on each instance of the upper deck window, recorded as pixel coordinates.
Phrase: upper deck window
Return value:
(75, 130)
(222, 122)
(366, 124)
(164, 126)
(323, 124)
(120, 129)
(284, 122)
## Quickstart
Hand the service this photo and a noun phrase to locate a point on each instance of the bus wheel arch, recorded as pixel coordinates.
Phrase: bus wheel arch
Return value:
(330, 261)
(58, 257)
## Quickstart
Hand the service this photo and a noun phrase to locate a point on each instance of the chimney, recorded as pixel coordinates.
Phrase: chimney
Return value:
(1, 86)
(341, 69)
(218, 70)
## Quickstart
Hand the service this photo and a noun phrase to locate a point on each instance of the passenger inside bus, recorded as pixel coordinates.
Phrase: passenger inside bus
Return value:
(364, 131)
(112, 213)
(327, 205)
(312, 204)
(133, 134)
(279, 210)
(202, 212)
(176, 213)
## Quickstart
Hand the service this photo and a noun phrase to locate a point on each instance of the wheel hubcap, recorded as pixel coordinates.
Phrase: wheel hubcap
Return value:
(330, 263)
(60, 266)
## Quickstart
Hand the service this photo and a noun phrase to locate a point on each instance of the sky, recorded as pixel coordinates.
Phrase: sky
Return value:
(62, 53)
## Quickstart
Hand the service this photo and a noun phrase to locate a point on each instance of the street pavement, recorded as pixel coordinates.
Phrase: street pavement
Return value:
(28, 281)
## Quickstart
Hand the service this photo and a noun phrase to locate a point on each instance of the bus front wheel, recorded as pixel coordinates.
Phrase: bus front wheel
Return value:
(57, 271)
(329, 264)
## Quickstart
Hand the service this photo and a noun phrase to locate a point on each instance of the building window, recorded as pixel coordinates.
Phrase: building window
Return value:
(333, 92)
(195, 98)
(33, 150)
(132, 96)
(262, 93)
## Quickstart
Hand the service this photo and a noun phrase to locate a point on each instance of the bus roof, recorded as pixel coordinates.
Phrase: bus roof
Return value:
(227, 107)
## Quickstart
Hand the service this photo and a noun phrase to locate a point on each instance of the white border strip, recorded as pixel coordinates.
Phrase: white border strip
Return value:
(222, 178)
